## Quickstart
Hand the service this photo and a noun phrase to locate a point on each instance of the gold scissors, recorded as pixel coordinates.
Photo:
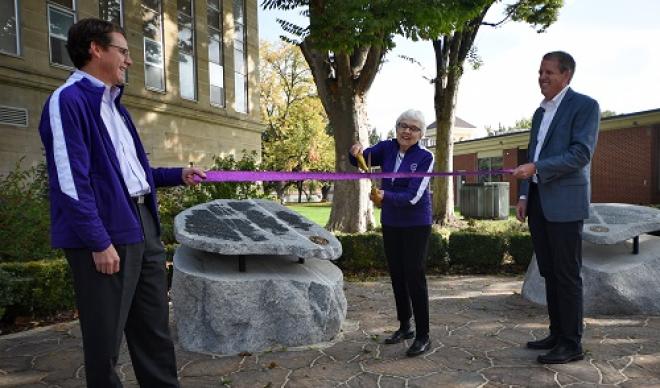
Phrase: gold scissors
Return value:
(374, 188)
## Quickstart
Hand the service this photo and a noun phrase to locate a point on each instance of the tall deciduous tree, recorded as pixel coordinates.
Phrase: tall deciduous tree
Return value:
(344, 46)
(451, 51)
(295, 138)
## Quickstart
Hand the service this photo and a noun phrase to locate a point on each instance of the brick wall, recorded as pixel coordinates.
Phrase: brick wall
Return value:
(623, 166)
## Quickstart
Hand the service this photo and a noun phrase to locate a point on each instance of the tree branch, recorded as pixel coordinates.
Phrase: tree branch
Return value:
(369, 69)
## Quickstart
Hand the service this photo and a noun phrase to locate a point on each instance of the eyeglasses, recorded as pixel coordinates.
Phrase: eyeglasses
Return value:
(403, 126)
(122, 50)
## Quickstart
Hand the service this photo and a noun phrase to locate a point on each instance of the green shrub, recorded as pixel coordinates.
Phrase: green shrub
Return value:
(6, 291)
(438, 259)
(520, 248)
(24, 215)
(364, 252)
(174, 200)
(38, 288)
(477, 250)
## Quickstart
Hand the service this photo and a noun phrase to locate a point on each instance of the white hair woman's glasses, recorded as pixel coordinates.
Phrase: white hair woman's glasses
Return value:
(404, 126)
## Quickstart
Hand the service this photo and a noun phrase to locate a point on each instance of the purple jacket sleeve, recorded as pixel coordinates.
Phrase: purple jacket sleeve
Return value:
(416, 186)
(167, 176)
(376, 152)
(73, 192)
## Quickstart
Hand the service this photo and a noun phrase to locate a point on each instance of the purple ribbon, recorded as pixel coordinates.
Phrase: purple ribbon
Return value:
(272, 176)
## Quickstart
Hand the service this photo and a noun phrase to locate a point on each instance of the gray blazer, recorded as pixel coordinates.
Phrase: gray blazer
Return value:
(564, 164)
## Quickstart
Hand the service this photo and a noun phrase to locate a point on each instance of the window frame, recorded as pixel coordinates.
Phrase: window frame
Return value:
(221, 64)
(162, 51)
(193, 31)
(17, 30)
(122, 16)
(244, 60)
(60, 8)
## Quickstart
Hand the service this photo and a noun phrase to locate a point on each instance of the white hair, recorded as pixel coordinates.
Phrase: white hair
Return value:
(414, 116)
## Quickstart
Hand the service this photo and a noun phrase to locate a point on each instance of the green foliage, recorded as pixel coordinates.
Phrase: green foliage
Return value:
(173, 200)
(364, 252)
(6, 291)
(347, 25)
(24, 215)
(374, 136)
(476, 249)
(538, 13)
(38, 288)
(520, 248)
(296, 137)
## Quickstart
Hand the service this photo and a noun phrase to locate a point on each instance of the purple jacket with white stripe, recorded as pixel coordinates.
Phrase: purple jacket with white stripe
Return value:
(407, 201)
(89, 203)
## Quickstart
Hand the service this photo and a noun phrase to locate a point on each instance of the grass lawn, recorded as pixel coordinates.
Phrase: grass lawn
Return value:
(320, 212)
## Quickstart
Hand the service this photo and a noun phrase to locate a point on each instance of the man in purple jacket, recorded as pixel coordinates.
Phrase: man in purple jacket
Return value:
(104, 212)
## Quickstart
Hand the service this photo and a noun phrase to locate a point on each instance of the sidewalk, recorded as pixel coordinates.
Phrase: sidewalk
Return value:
(479, 325)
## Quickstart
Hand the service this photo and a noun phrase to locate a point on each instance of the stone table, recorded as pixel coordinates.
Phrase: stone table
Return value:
(291, 295)
(619, 277)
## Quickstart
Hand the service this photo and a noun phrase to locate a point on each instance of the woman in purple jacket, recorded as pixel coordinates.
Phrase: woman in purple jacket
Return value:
(406, 222)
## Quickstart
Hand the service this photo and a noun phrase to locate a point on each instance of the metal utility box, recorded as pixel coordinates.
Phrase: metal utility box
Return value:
(485, 200)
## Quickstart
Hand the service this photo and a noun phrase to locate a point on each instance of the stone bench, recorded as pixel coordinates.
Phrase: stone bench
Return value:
(619, 277)
(221, 308)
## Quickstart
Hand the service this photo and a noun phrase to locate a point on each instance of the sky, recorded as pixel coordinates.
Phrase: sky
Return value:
(615, 44)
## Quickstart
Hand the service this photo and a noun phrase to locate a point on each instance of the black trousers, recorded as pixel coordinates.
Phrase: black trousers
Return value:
(132, 301)
(406, 249)
(558, 248)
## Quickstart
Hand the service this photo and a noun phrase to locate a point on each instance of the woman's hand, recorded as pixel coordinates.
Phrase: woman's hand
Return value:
(377, 196)
(356, 149)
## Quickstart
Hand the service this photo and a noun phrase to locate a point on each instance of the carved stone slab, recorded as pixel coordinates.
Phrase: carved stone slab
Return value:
(253, 227)
(610, 223)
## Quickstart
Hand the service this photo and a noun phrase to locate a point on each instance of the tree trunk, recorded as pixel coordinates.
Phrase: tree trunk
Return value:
(352, 211)
(450, 54)
(342, 82)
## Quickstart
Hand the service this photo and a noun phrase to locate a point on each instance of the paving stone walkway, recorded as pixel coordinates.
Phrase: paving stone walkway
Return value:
(478, 326)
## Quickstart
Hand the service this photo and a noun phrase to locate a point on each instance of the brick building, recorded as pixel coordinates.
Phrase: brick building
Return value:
(192, 90)
(625, 167)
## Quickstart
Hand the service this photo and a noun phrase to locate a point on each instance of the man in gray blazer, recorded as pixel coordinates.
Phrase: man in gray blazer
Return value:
(555, 195)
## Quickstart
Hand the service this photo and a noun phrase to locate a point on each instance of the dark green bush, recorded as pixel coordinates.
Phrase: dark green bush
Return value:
(477, 250)
(24, 215)
(6, 291)
(173, 200)
(38, 288)
(364, 252)
(438, 259)
(520, 248)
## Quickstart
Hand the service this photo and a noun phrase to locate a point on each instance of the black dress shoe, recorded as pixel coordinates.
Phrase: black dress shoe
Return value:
(399, 336)
(418, 347)
(548, 342)
(561, 354)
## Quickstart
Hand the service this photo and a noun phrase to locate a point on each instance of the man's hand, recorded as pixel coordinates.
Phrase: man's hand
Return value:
(107, 261)
(521, 210)
(524, 171)
(189, 174)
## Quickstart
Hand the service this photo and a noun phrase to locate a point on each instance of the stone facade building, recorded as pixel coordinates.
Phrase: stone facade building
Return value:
(192, 89)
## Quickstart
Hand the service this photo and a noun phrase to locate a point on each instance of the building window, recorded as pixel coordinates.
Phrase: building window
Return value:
(154, 62)
(61, 16)
(112, 11)
(495, 163)
(240, 58)
(216, 72)
(9, 32)
(187, 62)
